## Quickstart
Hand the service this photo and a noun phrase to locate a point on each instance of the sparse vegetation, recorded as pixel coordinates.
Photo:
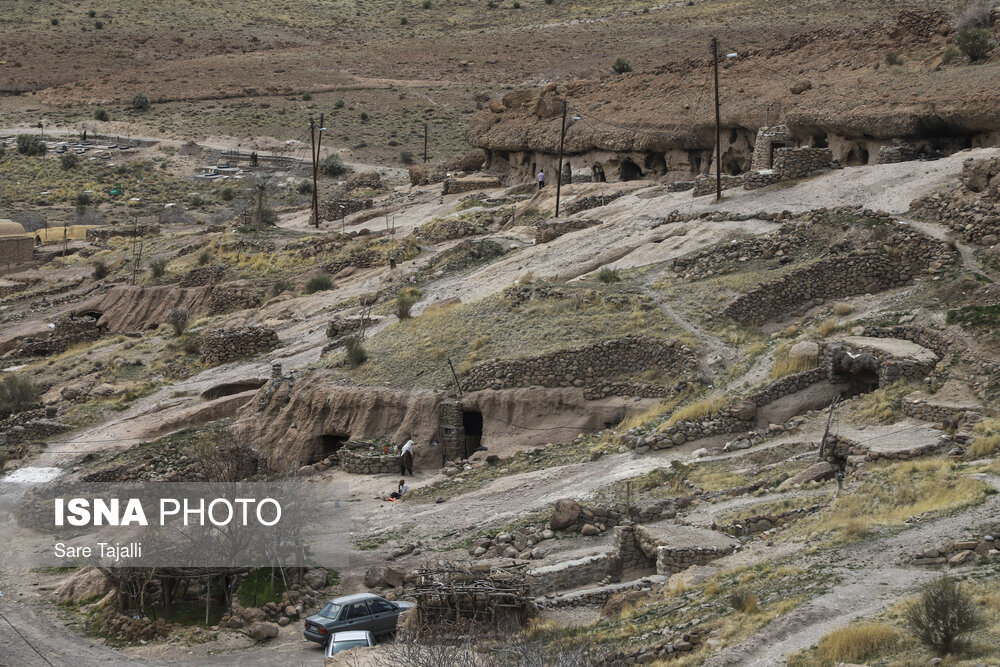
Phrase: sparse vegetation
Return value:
(355, 351)
(30, 145)
(608, 275)
(178, 318)
(17, 393)
(140, 102)
(622, 65)
(101, 115)
(882, 406)
(405, 301)
(68, 161)
(743, 601)
(942, 614)
(333, 165)
(100, 270)
(158, 265)
(975, 43)
(893, 58)
(696, 410)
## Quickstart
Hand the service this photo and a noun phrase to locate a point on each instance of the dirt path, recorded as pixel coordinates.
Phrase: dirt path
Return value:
(874, 576)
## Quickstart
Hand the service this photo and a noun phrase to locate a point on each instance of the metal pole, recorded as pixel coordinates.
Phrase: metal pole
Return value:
(562, 140)
(425, 142)
(718, 123)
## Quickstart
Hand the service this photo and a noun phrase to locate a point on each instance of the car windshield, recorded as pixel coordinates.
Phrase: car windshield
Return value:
(331, 610)
(343, 646)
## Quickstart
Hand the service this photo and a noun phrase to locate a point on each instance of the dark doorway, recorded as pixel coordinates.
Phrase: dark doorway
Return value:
(598, 173)
(857, 157)
(472, 421)
(326, 445)
(567, 175)
(630, 171)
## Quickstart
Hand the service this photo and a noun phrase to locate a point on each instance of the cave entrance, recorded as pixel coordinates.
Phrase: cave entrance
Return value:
(472, 421)
(567, 174)
(733, 166)
(859, 373)
(856, 157)
(629, 171)
(598, 173)
(326, 445)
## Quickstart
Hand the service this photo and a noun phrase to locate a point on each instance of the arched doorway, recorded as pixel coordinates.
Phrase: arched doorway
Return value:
(629, 171)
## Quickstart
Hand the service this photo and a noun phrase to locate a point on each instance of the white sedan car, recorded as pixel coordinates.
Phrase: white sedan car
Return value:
(343, 641)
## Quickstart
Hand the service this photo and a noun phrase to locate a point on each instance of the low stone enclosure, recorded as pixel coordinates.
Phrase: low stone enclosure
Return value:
(101, 235)
(971, 207)
(367, 461)
(590, 366)
(28, 426)
(786, 164)
(668, 547)
(66, 332)
(863, 362)
(219, 346)
(875, 267)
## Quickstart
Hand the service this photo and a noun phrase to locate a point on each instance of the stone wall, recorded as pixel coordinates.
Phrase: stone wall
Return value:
(452, 430)
(210, 274)
(220, 346)
(599, 595)
(424, 174)
(363, 463)
(593, 201)
(768, 140)
(874, 268)
(707, 262)
(455, 185)
(760, 523)
(972, 207)
(896, 154)
(68, 331)
(31, 425)
(234, 296)
(791, 164)
(330, 209)
(584, 366)
(8, 287)
(568, 574)
(637, 548)
(550, 230)
(100, 235)
(16, 250)
(705, 184)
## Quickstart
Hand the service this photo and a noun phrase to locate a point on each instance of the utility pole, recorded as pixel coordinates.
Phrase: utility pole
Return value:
(425, 142)
(718, 122)
(317, 143)
(826, 433)
(562, 141)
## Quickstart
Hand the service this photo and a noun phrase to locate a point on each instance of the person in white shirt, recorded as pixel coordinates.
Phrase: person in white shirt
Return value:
(406, 458)
(401, 491)
(541, 179)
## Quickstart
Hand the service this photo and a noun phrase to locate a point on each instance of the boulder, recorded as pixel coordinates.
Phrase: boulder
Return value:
(375, 576)
(264, 631)
(745, 410)
(800, 87)
(394, 576)
(316, 578)
(816, 472)
(804, 352)
(589, 530)
(86, 584)
(565, 514)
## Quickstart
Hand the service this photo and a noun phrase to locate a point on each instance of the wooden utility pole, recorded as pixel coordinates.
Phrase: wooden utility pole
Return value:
(826, 433)
(718, 122)
(425, 142)
(317, 143)
(562, 141)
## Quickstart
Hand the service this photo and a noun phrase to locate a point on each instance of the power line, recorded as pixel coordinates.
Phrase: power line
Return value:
(25, 639)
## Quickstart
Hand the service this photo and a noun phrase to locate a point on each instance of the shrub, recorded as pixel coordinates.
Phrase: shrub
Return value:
(101, 270)
(227, 193)
(204, 257)
(319, 283)
(332, 165)
(364, 116)
(197, 200)
(404, 302)
(517, 5)
(83, 199)
(622, 65)
(356, 353)
(98, 25)
(268, 216)
(178, 319)
(742, 601)
(893, 58)
(17, 393)
(339, 104)
(190, 345)
(91, 13)
(426, 4)
(68, 160)
(827, 327)
(158, 265)
(304, 187)
(280, 286)
(608, 275)
(101, 115)
(943, 613)
(548, 2)
(29, 145)
(950, 55)
(54, 21)
(843, 309)
(403, 21)
(975, 43)
(857, 643)
(306, 96)
(140, 102)
(406, 157)
(976, 15)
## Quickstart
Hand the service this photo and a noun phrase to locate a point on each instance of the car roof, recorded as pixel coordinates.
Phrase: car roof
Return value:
(350, 636)
(357, 597)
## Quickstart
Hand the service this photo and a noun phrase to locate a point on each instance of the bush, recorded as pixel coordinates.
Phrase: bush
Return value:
(158, 265)
(339, 104)
(406, 157)
(54, 21)
(178, 319)
(403, 21)
(98, 25)
(977, 15)
(227, 193)
(91, 13)
(319, 283)
(622, 65)
(364, 116)
(29, 145)
(893, 58)
(100, 270)
(204, 257)
(356, 353)
(975, 43)
(743, 601)
(306, 96)
(83, 199)
(140, 102)
(101, 115)
(548, 2)
(426, 4)
(17, 394)
(280, 286)
(68, 160)
(190, 345)
(950, 55)
(197, 200)
(404, 302)
(332, 165)
(943, 613)
(608, 275)
(304, 187)
(268, 216)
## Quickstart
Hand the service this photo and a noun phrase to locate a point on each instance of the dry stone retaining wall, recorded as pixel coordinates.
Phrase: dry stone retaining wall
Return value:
(599, 595)
(568, 574)
(705, 184)
(100, 235)
(584, 366)
(223, 345)
(331, 209)
(31, 425)
(368, 464)
(454, 185)
(790, 164)
(67, 332)
(896, 154)
(593, 201)
(234, 296)
(971, 208)
(210, 274)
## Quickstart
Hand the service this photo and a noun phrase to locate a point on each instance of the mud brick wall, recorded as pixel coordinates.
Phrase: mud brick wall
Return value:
(874, 269)
(223, 345)
(568, 574)
(585, 366)
(368, 464)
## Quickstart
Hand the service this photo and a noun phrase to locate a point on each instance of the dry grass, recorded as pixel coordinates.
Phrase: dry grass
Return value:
(842, 309)
(860, 643)
(987, 440)
(788, 366)
(882, 406)
(696, 410)
(827, 327)
(889, 495)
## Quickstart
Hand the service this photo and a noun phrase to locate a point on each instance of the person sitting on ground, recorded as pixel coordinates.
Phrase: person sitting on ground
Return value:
(406, 458)
(400, 492)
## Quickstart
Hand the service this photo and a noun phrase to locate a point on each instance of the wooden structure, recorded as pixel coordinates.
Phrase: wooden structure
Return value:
(472, 593)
